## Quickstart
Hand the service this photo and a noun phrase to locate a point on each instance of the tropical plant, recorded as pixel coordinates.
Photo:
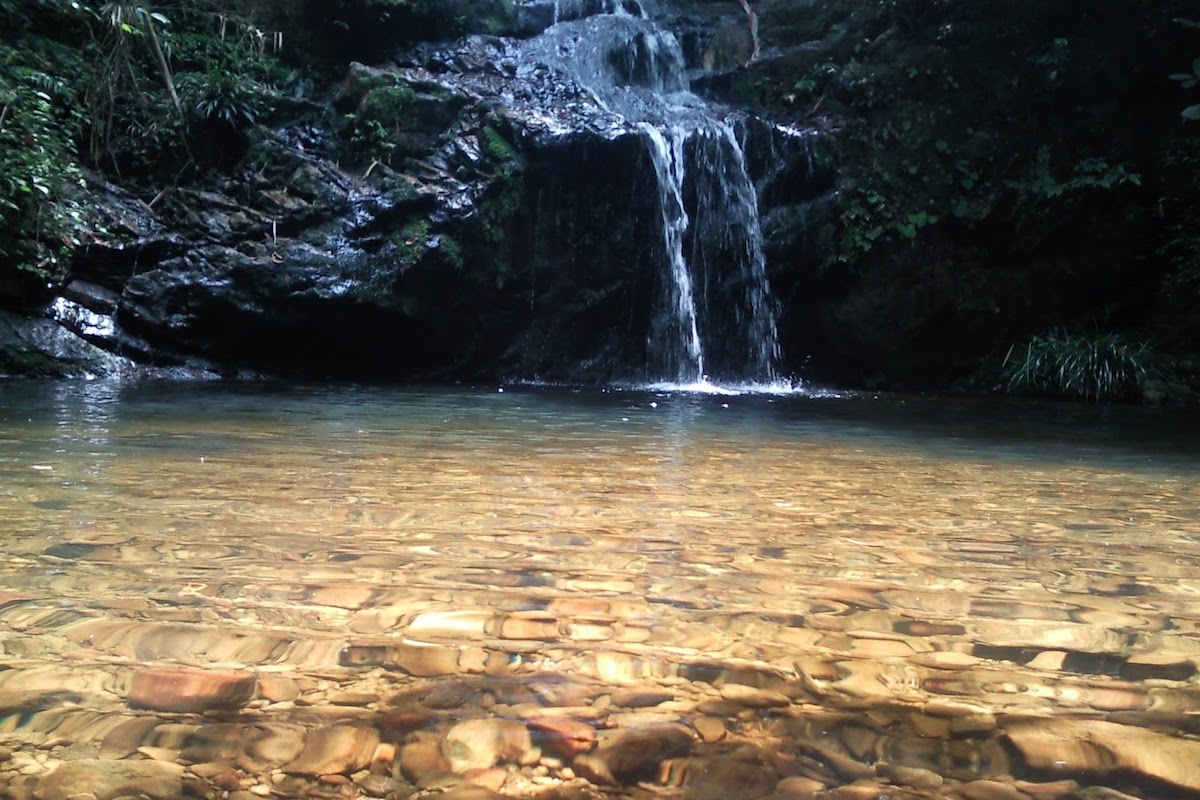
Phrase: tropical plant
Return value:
(1189, 80)
(220, 95)
(1097, 367)
(381, 115)
(37, 171)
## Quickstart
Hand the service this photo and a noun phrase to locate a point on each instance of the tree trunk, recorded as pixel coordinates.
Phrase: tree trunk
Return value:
(162, 61)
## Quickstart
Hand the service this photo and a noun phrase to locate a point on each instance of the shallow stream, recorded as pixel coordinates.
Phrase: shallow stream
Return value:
(278, 591)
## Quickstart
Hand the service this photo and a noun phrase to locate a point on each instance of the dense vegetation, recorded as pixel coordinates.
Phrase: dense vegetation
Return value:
(1017, 170)
(147, 92)
(1021, 178)
(129, 89)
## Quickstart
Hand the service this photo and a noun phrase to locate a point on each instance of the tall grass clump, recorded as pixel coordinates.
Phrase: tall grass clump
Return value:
(1096, 367)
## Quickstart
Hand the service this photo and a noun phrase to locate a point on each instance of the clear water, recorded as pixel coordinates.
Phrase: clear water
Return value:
(950, 587)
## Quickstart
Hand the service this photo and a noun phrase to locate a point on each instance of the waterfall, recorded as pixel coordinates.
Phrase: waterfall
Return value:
(686, 354)
(717, 317)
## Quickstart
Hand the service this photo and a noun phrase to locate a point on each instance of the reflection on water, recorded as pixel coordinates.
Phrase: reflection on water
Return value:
(297, 592)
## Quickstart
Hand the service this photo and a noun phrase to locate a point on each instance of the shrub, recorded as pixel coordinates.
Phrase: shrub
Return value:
(220, 95)
(38, 173)
(1098, 367)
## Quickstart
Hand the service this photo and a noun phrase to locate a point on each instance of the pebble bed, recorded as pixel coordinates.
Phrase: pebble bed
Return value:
(292, 619)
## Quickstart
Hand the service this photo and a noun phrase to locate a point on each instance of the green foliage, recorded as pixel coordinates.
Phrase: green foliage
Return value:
(863, 223)
(502, 201)
(451, 250)
(369, 140)
(869, 218)
(496, 145)
(913, 222)
(412, 241)
(1189, 80)
(39, 177)
(388, 104)
(381, 116)
(220, 95)
(1180, 250)
(404, 21)
(1054, 60)
(1097, 367)
(95, 83)
(1089, 173)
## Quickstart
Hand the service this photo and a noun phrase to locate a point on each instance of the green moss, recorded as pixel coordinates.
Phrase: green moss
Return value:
(495, 145)
(451, 250)
(501, 203)
(412, 242)
(387, 104)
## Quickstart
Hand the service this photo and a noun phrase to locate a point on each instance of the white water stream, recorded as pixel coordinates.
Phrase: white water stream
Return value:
(717, 323)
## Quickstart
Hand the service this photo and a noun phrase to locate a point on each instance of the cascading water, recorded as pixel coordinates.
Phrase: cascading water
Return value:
(686, 353)
(718, 319)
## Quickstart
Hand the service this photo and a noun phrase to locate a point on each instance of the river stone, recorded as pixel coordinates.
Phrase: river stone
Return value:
(1073, 746)
(563, 736)
(991, 790)
(527, 628)
(425, 660)
(913, 777)
(728, 779)
(711, 729)
(452, 623)
(339, 750)
(1052, 789)
(128, 736)
(190, 690)
(798, 788)
(492, 778)
(1158, 666)
(752, 697)
(277, 688)
(421, 758)
(107, 780)
(271, 746)
(469, 792)
(640, 698)
(482, 743)
(629, 755)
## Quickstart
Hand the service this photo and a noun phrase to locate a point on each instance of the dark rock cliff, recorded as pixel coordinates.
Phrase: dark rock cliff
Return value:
(469, 211)
(936, 182)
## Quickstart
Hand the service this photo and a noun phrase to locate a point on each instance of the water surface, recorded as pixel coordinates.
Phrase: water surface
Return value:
(911, 595)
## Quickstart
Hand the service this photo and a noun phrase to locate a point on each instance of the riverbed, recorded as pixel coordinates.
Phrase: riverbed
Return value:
(260, 590)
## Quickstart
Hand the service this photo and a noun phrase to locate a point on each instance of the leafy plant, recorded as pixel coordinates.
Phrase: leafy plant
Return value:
(1189, 80)
(1088, 173)
(1098, 367)
(37, 170)
(1054, 59)
(220, 95)
(381, 116)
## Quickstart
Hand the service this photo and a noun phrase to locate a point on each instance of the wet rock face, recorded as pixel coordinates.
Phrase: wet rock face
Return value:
(43, 347)
(509, 244)
(509, 226)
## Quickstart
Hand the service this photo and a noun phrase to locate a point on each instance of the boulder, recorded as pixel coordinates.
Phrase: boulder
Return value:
(190, 690)
(108, 780)
(478, 744)
(340, 750)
